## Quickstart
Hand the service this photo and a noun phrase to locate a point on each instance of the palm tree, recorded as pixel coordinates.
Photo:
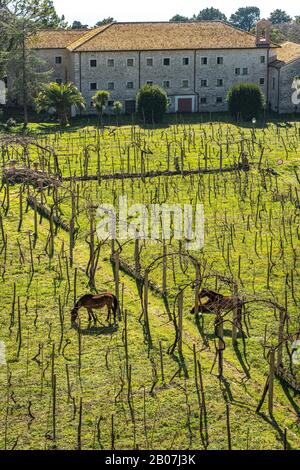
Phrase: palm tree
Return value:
(117, 109)
(61, 98)
(99, 100)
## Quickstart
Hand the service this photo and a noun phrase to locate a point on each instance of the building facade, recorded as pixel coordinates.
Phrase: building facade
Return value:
(196, 63)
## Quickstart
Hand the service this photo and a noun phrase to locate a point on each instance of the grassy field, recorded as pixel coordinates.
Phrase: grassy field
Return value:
(103, 387)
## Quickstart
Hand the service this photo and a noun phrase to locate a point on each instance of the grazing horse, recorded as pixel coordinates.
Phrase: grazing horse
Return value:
(218, 302)
(90, 302)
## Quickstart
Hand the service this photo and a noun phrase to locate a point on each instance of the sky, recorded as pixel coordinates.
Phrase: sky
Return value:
(91, 11)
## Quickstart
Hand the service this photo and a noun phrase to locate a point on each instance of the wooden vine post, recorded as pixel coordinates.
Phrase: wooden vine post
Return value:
(117, 279)
(72, 228)
(220, 348)
(180, 321)
(282, 318)
(145, 304)
(164, 269)
(271, 380)
(137, 263)
(197, 288)
(235, 319)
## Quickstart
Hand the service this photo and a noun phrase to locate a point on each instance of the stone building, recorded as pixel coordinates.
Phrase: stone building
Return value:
(284, 79)
(196, 63)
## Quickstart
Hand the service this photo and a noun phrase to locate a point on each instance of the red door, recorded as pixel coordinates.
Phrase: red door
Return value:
(185, 105)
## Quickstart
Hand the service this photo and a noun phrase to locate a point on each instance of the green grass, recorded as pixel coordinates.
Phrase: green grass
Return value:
(250, 218)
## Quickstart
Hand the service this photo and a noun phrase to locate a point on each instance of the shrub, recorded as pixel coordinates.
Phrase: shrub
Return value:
(152, 103)
(245, 100)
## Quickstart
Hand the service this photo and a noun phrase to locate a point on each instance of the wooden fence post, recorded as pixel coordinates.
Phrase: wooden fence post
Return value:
(280, 336)
(117, 280)
(235, 317)
(180, 310)
(164, 268)
(271, 380)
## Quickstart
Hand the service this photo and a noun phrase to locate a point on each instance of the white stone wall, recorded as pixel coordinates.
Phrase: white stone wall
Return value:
(274, 74)
(287, 76)
(176, 73)
(63, 71)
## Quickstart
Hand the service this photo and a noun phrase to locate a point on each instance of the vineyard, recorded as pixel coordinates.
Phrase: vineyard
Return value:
(161, 377)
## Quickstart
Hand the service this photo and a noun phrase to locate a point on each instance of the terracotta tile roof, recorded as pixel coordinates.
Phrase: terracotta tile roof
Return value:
(288, 52)
(168, 36)
(55, 39)
(147, 36)
(89, 35)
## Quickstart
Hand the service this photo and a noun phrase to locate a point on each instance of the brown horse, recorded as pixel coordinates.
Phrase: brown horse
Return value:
(90, 302)
(217, 303)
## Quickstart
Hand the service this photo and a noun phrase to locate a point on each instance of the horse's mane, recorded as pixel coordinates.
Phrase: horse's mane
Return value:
(84, 297)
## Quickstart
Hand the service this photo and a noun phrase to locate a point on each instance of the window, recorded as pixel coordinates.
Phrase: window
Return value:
(166, 61)
(203, 82)
(111, 85)
(92, 104)
(238, 71)
(203, 60)
(129, 85)
(273, 83)
(149, 82)
(220, 82)
(245, 71)
(166, 84)
(203, 100)
(58, 59)
(220, 60)
(186, 61)
(93, 86)
(110, 62)
(262, 59)
(93, 63)
(185, 83)
(149, 61)
(59, 81)
(130, 62)
(219, 99)
(261, 81)
(110, 103)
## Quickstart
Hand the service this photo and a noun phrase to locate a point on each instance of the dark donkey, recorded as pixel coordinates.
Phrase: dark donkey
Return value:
(97, 301)
(217, 303)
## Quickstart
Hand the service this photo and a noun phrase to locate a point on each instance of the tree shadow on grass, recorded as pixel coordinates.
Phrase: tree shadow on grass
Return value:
(244, 364)
(287, 391)
(272, 421)
(199, 320)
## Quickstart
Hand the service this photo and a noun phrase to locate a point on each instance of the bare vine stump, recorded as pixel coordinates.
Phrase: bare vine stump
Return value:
(271, 380)
(180, 312)
(235, 318)
(282, 318)
(117, 279)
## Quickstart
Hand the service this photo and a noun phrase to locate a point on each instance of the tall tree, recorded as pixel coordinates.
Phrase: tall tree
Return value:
(105, 21)
(78, 25)
(279, 16)
(210, 14)
(19, 20)
(180, 19)
(245, 18)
